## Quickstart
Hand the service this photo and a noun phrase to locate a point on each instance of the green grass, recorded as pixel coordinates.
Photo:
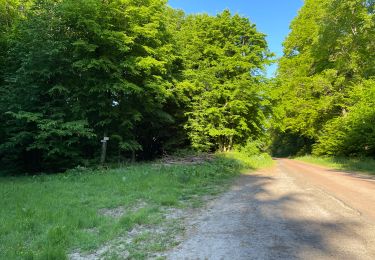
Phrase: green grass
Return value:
(363, 165)
(253, 162)
(48, 217)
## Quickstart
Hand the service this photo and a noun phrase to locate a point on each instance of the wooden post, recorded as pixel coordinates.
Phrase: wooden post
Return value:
(133, 156)
(104, 149)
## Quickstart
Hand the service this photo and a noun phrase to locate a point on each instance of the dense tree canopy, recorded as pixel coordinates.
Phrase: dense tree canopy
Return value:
(324, 79)
(154, 80)
(137, 71)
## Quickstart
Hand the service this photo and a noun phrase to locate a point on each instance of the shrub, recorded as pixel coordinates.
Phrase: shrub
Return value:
(352, 134)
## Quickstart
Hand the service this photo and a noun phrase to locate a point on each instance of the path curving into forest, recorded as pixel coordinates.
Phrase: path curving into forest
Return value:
(292, 211)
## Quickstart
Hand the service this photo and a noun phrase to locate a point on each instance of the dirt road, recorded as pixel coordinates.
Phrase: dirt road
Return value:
(292, 211)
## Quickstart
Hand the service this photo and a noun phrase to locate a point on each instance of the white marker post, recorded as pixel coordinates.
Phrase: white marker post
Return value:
(104, 149)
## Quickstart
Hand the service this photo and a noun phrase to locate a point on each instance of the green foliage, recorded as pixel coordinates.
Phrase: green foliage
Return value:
(54, 141)
(78, 70)
(327, 57)
(285, 144)
(139, 72)
(223, 87)
(251, 148)
(354, 133)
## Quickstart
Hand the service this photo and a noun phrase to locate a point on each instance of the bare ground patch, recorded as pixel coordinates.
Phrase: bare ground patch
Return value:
(154, 239)
(114, 212)
(196, 159)
(120, 211)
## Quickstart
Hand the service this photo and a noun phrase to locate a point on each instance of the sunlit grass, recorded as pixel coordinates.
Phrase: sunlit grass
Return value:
(263, 160)
(363, 165)
(46, 217)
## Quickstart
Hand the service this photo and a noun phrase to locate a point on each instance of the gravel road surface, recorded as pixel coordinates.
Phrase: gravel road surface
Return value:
(291, 211)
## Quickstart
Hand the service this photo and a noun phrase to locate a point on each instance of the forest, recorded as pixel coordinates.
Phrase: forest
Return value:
(155, 80)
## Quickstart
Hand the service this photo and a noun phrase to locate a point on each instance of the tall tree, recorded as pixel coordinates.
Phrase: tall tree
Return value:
(327, 54)
(223, 61)
(89, 68)
(42, 130)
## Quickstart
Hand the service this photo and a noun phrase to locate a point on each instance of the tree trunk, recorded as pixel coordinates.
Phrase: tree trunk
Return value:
(230, 147)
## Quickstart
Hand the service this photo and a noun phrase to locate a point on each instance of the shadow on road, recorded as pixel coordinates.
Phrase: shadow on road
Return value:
(271, 215)
(284, 224)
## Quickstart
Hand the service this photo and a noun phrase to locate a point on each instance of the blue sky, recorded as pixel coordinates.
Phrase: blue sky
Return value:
(272, 17)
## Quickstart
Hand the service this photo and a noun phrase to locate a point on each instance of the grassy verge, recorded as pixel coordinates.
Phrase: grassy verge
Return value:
(363, 165)
(115, 213)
